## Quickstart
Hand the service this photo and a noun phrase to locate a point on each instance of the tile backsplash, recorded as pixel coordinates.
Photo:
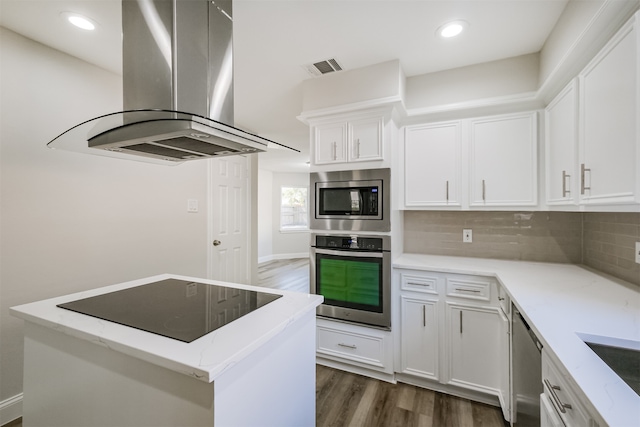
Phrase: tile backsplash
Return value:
(609, 241)
(603, 241)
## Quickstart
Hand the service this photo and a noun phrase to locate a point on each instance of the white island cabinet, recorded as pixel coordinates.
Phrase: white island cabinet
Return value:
(257, 370)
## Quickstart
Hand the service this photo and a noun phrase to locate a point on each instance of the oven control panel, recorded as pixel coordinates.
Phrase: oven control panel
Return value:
(350, 242)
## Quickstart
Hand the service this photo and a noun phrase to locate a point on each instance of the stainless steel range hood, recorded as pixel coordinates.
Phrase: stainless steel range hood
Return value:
(177, 88)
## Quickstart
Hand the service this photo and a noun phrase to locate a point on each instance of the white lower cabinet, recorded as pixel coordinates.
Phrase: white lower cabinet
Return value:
(351, 345)
(419, 337)
(453, 334)
(560, 400)
(475, 337)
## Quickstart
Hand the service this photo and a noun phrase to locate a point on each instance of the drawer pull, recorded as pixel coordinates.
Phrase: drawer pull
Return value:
(347, 345)
(468, 290)
(556, 399)
(418, 284)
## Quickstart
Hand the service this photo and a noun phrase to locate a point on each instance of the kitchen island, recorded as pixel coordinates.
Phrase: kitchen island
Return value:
(256, 370)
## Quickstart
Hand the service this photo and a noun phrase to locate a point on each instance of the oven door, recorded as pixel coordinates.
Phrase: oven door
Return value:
(355, 285)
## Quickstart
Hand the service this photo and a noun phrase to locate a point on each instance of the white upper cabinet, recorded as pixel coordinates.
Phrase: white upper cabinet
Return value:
(592, 136)
(432, 165)
(330, 143)
(609, 126)
(503, 160)
(365, 139)
(347, 139)
(561, 147)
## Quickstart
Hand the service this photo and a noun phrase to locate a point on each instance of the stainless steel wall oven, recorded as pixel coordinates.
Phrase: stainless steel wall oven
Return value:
(353, 273)
(355, 200)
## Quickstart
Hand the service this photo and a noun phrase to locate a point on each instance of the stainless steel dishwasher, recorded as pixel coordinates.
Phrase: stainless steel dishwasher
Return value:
(526, 375)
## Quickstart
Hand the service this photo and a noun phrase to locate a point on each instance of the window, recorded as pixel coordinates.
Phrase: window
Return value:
(293, 209)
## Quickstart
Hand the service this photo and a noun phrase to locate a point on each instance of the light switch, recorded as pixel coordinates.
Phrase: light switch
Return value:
(467, 235)
(192, 205)
(638, 252)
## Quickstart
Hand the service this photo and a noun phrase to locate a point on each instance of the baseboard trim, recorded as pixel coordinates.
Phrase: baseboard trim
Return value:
(275, 257)
(10, 409)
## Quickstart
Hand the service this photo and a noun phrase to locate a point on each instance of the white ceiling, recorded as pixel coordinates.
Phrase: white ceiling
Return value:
(273, 39)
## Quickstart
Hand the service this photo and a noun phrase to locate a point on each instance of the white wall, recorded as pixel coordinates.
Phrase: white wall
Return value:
(274, 244)
(265, 215)
(71, 222)
(488, 80)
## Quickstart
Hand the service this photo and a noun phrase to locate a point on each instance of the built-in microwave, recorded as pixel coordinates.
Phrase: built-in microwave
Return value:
(355, 200)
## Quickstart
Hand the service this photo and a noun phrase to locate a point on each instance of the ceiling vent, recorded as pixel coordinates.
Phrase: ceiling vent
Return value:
(323, 67)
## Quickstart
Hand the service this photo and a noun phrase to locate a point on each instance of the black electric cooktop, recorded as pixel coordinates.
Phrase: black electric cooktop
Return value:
(173, 308)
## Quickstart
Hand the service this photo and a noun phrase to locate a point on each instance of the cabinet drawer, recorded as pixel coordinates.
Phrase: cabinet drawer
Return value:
(356, 347)
(563, 398)
(419, 283)
(469, 287)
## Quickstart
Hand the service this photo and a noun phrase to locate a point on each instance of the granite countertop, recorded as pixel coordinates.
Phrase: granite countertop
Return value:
(204, 358)
(561, 303)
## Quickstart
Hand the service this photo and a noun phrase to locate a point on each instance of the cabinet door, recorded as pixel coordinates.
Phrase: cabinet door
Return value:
(419, 337)
(432, 165)
(561, 143)
(504, 161)
(330, 143)
(365, 139)
(475, 346)
(609, 122)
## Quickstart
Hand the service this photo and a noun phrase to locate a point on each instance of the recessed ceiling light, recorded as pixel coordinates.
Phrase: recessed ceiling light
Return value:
(451, 29)
(79, 20)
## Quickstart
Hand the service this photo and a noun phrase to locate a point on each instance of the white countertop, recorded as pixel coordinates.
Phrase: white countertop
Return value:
(560, 301)
(205, 358)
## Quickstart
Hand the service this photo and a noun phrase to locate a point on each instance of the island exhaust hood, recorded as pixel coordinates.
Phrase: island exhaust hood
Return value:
(177, 88)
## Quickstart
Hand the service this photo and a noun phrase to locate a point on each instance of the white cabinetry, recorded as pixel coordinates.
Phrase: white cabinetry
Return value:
(560, 400)
(432, 164)
(561, 147)
(354, 348)
(330, 143)
(593, 132)
(503, 157)
(347, 139)
(453, 334)
(420, 322)
(609, 125)
(472, 163)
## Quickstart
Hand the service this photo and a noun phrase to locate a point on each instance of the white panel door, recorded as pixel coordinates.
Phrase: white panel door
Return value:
(432, 165)
(475, 342)
(419, 337)
(330, 143)
(365, 139)
(561, 142)
(610, 137)
(504, 160)
(229, 219)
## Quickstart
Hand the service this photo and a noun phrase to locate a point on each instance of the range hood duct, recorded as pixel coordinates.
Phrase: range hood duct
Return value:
(177, 88)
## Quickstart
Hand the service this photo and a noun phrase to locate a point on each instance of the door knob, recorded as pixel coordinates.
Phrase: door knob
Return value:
(216, 242)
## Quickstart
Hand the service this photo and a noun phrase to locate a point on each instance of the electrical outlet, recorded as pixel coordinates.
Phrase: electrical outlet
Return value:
(467, 235)
(192, 205)
(638, 252)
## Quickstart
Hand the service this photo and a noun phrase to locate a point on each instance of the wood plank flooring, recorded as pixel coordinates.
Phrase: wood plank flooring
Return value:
(287, 274)
(350, 400)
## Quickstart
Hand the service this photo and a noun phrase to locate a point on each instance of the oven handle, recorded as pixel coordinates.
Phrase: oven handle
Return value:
(350, 252)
